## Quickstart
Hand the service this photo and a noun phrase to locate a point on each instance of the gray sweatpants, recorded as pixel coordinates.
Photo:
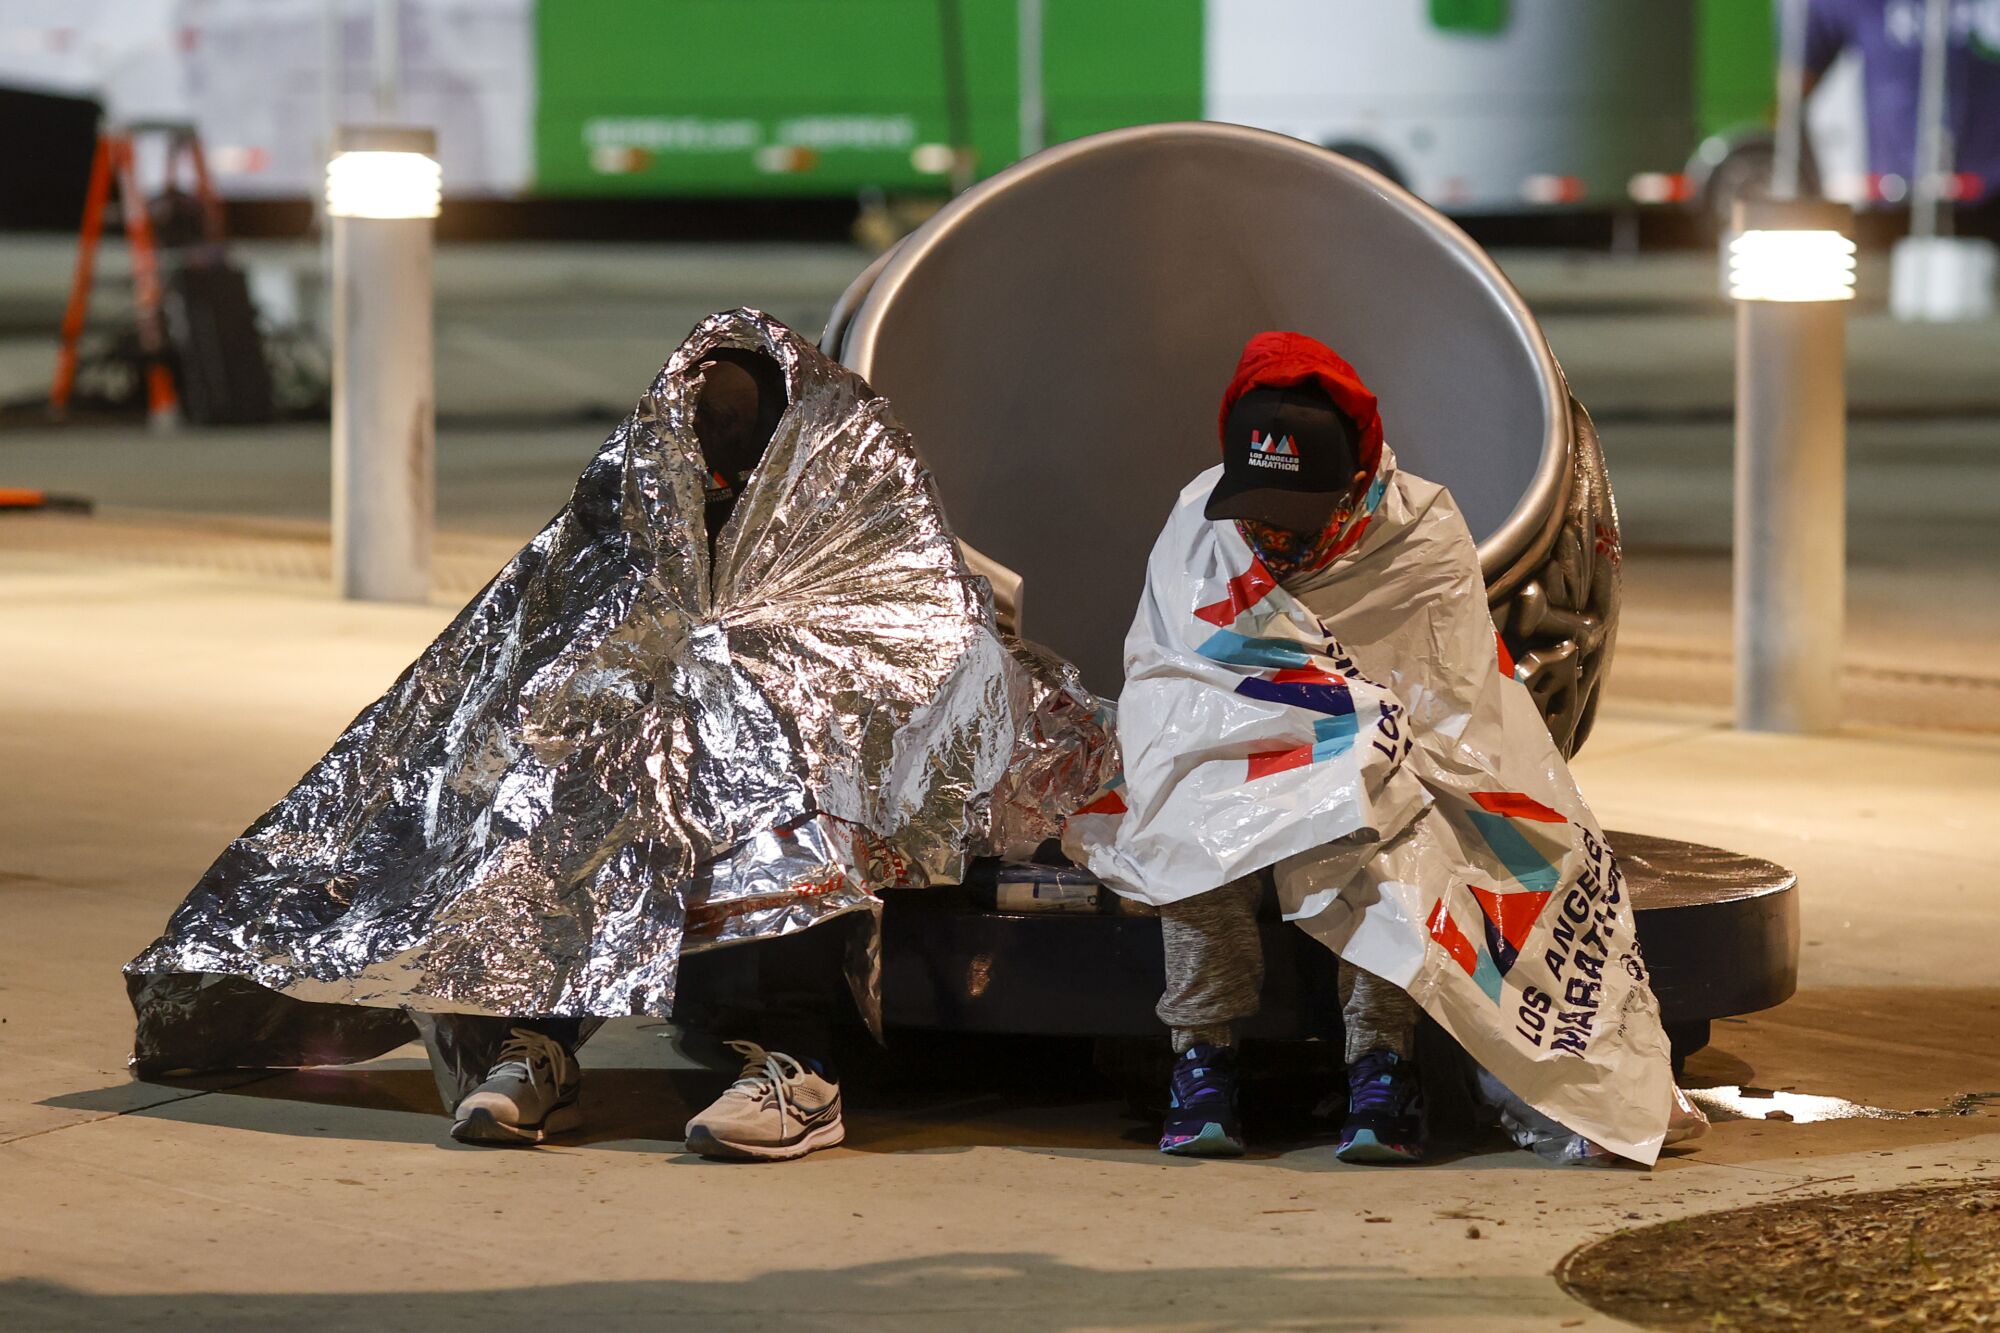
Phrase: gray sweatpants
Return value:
(1215, 973)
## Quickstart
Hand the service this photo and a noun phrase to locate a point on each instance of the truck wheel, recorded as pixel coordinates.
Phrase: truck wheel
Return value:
(1744, 174)
(1729, 167)
(1373, 158)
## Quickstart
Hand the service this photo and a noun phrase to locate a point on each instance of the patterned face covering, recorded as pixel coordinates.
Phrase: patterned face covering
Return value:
(1286, 553)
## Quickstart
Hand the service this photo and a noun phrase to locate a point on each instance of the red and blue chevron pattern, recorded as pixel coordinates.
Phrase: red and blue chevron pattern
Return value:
(1293, 679)
(1508, 916)
(1313, 689)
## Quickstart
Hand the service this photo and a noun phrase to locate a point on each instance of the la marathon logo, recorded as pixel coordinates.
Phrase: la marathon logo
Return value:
(1273, 451)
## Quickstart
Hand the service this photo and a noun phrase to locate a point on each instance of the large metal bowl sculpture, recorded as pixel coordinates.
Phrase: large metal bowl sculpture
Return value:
(1056, 340)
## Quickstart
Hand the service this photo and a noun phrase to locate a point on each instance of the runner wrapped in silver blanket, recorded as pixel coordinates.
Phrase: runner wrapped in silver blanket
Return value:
(630, 746)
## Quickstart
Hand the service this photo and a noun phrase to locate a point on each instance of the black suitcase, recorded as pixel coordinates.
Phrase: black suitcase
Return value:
(218, 352)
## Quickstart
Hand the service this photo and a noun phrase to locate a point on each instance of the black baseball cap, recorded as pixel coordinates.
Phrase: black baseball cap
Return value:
(1288, 456)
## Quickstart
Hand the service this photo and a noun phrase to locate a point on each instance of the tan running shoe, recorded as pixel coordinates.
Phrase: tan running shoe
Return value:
(531, 1092)
(777, 1109)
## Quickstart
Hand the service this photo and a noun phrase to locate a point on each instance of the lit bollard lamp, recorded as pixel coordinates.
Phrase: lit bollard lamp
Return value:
(1791, 269)
(382, 188)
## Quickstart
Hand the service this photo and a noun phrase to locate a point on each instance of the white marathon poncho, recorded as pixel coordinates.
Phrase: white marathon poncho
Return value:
(1356, 732)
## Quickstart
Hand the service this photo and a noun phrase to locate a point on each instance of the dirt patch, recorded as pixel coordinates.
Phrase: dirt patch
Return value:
(1925, 1257)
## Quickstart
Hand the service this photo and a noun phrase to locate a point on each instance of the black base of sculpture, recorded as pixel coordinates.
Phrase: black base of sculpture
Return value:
(1720, 934)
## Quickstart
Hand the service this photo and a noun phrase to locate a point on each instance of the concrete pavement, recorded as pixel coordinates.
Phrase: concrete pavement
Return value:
(542, 347)
(153, 710)
(169, 668)
(545, 331)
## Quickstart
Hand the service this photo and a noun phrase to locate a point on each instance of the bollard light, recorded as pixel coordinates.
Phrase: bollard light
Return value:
(1782, 265)
(382, 190)
(1791, 270)
(382, 183)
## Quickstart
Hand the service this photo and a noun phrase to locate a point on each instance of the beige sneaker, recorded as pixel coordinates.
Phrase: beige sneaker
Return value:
(530, 1093)
(777, 1109)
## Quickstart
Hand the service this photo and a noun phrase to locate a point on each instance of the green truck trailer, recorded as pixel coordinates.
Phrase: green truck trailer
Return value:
(816, 97)
(1480, 105)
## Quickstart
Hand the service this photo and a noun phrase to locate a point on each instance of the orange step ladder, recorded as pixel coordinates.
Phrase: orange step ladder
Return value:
(116, 161)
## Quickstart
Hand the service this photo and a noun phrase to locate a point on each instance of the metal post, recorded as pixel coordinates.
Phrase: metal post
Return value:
(1790, 146)
(332, 78)
(1791, 448)
(1933, 162)
(332, 57)
(1034, 106)
(388, 58)
(384, 417)
(957, 99)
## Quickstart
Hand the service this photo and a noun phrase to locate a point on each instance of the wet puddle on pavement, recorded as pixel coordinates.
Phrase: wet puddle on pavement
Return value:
(1747, 1102)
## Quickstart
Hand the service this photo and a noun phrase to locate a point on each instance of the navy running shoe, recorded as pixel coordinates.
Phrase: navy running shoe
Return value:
(1384, 1123)
(1201, 1118)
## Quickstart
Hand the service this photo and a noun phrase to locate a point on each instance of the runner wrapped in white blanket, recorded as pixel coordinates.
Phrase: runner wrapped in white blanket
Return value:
(1354, 729)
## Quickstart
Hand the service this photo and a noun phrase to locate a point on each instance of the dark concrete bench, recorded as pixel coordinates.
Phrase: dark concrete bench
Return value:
(1719, 931)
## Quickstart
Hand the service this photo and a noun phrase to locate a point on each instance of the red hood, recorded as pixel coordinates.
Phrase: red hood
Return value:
(1274, 360)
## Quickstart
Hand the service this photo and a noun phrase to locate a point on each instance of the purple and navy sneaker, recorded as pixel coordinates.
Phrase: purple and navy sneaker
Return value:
(1201, 1118)
(1383, 1123)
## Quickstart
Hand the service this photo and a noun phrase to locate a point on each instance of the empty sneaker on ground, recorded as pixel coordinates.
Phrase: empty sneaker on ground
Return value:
(1201, 1115)
(1384, 1122)
(777, 1109)
(530, 1093)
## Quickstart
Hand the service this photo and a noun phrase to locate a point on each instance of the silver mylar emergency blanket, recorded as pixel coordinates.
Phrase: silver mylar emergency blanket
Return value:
(1355, 731)
(624, 749)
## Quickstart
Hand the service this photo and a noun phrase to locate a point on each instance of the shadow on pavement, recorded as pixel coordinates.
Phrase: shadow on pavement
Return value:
(928, 1092)
(988, 1291)
(1908, 1049)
